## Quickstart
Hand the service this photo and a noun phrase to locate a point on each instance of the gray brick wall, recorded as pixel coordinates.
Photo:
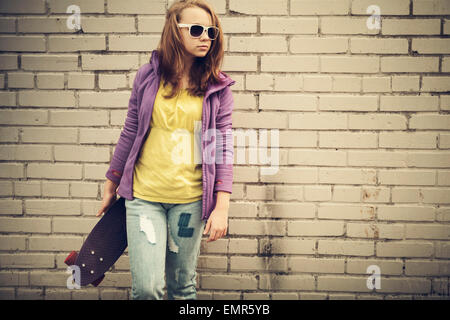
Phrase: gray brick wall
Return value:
(364, 136)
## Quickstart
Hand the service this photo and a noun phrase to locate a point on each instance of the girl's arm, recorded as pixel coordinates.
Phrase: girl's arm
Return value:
(127, 137)
(223, 200)
(224, 143)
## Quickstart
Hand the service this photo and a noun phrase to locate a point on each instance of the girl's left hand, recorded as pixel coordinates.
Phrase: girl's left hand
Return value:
(218, 223)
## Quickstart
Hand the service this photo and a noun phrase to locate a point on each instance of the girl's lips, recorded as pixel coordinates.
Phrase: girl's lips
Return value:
(203, 47)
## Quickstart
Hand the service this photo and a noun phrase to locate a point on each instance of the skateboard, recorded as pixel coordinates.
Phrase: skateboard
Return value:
(103, 246)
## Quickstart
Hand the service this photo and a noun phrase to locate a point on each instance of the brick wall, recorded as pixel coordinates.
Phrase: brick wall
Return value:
(363, 120)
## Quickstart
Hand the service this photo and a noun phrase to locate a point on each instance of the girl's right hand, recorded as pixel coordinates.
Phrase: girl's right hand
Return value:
(109, 196)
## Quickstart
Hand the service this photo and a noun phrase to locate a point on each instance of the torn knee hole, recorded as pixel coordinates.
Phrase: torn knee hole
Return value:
(146, 225)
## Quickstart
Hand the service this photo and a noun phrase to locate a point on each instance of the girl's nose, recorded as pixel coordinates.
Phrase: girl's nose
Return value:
(204, 35)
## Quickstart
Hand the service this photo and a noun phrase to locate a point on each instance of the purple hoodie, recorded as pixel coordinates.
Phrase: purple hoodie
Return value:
(217, 158)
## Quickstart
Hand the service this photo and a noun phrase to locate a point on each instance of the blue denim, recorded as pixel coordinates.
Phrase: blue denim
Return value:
(163, 244)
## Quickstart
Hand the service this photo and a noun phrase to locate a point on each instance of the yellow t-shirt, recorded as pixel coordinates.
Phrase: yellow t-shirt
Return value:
(169, 167)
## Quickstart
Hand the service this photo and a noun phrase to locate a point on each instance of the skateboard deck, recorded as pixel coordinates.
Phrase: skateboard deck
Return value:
(103, 246)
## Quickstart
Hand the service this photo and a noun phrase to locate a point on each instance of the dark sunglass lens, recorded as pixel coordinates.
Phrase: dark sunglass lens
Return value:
(196, 30)
(212, 33)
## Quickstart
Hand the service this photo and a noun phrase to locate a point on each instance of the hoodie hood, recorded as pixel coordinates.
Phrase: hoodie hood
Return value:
(226, 80)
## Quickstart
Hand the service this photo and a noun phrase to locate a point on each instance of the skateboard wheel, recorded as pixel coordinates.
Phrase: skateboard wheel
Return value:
(92, 271)
(92, 252)
(71, 258)
(97, 282)
(83, 265)
(101, 259)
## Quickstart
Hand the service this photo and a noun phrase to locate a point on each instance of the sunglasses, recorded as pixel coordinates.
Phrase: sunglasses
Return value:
(196, 30)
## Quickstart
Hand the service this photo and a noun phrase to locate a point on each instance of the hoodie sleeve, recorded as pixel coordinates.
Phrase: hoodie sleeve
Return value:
(127, 137)
(224, 143)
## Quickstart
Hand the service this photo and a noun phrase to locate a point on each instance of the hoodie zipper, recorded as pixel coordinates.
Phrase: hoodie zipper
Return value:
(203, 162)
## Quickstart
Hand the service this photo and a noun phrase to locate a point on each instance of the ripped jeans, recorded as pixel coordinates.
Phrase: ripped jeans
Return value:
(157, 233)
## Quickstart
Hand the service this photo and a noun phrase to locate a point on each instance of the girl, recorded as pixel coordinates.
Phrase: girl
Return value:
(176, 188)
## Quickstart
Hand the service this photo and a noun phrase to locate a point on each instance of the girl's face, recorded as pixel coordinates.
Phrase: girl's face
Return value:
(195, 15)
